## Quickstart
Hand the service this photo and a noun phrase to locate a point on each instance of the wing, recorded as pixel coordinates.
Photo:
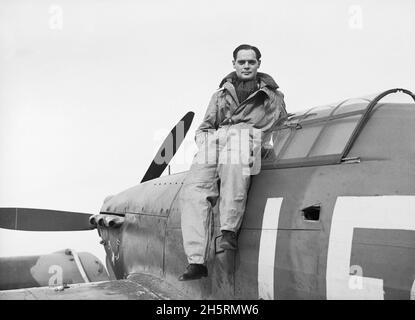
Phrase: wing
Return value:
(135, 287)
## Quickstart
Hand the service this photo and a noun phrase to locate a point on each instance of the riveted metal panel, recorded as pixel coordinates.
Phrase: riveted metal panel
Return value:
(152, 197)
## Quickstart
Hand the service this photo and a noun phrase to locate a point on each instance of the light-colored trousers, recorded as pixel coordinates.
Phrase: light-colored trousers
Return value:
(231, 155)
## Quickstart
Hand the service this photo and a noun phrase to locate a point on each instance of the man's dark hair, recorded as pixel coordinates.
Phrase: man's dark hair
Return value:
(247, 47)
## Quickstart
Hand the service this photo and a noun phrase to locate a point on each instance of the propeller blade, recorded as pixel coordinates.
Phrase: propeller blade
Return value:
(169, 147)
(43, 220)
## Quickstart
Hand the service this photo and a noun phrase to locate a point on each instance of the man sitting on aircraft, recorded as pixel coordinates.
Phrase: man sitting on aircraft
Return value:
(238, 122)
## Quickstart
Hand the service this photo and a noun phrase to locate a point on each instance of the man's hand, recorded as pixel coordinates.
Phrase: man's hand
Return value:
(200, 138)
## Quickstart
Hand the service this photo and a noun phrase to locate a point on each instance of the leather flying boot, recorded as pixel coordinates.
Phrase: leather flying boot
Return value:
(228, 240)
(194, 271)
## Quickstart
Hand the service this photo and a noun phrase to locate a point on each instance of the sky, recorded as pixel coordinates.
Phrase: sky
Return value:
(88, 89)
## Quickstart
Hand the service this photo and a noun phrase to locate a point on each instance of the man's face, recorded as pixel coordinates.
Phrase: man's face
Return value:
(246, 64)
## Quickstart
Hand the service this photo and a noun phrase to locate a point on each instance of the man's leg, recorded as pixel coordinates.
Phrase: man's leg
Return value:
(197, 197)
(234, 171)
(233, 190)
(199, 193)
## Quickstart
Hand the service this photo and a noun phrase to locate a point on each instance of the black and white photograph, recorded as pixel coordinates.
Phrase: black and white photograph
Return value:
(207, 150)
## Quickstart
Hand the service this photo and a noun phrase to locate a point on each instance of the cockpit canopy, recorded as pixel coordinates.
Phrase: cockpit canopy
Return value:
(325, 134)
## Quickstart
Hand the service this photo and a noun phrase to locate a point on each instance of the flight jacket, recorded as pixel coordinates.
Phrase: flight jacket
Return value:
(260, 110)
